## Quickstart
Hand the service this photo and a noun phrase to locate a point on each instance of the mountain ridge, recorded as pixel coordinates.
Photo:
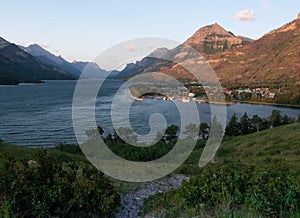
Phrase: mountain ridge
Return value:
(75, 68)
(207, 40)
(274, 57)
(213, 38)
(49, 58)
(18, 66)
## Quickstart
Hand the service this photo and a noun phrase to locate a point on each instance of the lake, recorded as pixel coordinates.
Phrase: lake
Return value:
(41, 114)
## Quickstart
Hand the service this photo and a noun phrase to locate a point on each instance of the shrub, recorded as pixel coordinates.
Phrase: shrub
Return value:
(47, 187)
(271, 192)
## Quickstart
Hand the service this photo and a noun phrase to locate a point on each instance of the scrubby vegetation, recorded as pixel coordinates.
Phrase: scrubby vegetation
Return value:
(51, 182)
(232, 190)
(257, 174)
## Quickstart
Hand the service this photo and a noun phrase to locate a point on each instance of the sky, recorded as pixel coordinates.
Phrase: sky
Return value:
(81, 30)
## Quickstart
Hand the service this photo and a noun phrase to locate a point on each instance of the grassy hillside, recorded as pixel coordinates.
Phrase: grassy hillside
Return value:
(256, 175)
(280, 144)
(264, 148)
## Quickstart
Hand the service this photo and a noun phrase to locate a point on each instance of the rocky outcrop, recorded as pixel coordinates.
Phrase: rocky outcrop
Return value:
(213, 38)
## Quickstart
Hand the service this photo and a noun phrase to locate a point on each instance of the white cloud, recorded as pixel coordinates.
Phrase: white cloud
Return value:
(150, 46)
(131, 48)
(265, 5)
(244, 15)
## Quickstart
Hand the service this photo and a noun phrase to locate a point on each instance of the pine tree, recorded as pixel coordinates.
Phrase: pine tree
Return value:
(256, 122)
(233, 127)
(245, 124)
(275, 118)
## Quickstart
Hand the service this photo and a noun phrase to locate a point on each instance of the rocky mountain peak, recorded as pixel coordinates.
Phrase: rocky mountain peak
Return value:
(213, 38)
(35, 50)
(200, 35)
(3, 43)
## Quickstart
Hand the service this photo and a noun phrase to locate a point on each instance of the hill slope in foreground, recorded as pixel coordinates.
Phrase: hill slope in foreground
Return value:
(256, 175)
(265, 147)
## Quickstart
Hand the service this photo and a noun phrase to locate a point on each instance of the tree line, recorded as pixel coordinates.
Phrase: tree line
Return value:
(117, 140)
(243, 126)
(247, 125)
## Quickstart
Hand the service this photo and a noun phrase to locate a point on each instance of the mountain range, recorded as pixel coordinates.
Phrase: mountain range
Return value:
(207, 40)
(75, 68)
(18, 66)
(47, 57)
(274, 57)
(33, 64)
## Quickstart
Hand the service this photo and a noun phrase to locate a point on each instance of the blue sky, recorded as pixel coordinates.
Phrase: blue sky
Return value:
(81, 30)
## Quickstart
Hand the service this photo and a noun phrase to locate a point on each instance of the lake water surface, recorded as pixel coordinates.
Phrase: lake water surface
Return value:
(41, 114)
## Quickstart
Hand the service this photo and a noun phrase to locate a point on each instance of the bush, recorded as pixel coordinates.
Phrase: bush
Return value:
(45, 188)
(271, 192)
(69, 148)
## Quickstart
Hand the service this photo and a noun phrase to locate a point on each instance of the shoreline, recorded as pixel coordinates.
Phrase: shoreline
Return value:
(133, 97)
(229, 103)
(266, 103)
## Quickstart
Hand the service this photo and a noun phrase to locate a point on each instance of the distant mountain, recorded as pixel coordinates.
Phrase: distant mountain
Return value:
(159, 53)
(214, 38)
(246, 39)
(275, 57)
(75, 68)
(3, 43)
(207, 40)
(113, 73)
(49, 58)
(153, 60)
(139, 67)
(17, 66)
(92, 70)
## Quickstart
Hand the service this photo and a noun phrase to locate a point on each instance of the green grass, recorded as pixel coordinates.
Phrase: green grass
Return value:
(264, 148)
(264, 151)
(271, 159)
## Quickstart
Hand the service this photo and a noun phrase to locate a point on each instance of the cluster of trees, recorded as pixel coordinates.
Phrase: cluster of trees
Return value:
(248, 125)
(118, 142)
(243, 126)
